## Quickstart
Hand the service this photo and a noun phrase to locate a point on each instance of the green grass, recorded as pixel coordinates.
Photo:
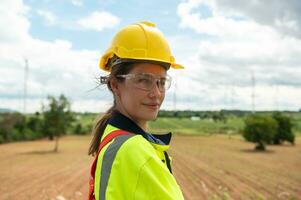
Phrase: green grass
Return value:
(199, 127)
(186, 126)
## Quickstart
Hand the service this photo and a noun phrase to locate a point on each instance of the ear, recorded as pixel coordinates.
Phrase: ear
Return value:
(114, 86)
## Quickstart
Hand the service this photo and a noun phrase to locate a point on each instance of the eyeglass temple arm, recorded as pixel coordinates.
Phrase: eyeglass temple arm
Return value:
(104, 80)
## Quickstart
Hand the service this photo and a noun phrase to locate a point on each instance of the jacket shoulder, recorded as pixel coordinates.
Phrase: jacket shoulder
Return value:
(137, 149)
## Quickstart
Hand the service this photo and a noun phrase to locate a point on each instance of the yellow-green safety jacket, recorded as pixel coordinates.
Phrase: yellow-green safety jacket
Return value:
(134, 166)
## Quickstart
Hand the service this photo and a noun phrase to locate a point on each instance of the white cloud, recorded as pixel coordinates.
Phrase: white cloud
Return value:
(231, 50)
(284, 16)
(92, 105)
(77, 2)
(99, 21)
(49, 17)
(54, 67)
(218, 62)
(14, 26)
(219, 25)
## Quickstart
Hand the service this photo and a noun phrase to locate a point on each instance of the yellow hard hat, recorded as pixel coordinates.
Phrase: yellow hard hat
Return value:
(139, 42)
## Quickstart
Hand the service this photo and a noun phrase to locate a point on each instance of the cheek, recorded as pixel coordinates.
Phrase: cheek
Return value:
(132, 98)
(161, 97)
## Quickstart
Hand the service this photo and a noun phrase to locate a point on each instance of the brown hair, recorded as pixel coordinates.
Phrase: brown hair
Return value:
(101, 120)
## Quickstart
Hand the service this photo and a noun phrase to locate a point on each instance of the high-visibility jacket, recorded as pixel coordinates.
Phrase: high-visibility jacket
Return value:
(134, 166)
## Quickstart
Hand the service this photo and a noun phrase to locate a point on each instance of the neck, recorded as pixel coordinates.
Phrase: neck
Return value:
(141, 123)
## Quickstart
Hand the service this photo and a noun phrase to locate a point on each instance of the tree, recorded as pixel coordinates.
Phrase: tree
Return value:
(34, 127)
(79, 129)
(57, 118)
(284, 132)
(260, 130)
(219, 116)
(12, 127)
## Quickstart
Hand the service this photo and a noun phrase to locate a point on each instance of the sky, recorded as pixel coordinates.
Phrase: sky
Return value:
(237, 54)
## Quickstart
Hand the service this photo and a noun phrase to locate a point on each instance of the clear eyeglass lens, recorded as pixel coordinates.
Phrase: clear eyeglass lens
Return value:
(147, 81)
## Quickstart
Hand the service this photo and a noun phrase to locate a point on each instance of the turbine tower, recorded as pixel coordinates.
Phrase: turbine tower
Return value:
(253, 92)
(25, 85)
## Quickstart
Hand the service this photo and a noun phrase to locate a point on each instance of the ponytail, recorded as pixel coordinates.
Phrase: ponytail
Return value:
(101, 121)
(98, 130)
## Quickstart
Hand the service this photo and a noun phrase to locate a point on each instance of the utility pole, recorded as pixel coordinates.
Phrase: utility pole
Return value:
(253, 92)
(232, 92)
(25, 86)
(225, 98)
(276, 97)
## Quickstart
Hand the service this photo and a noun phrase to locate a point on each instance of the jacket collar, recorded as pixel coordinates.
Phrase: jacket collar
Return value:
(123, 122)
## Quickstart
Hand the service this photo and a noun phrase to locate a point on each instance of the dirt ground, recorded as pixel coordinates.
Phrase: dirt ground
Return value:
(212, 167)
(219, 167)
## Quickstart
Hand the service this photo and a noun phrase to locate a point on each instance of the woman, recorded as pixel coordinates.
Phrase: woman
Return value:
(130, 162)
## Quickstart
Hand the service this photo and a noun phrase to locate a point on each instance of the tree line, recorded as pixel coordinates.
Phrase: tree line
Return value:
(54, 120)
(57, 119)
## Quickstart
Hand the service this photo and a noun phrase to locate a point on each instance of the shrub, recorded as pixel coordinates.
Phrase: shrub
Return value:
(79, 129)
(1, 138)
(260, 130)
(10, 126)
(284, 132)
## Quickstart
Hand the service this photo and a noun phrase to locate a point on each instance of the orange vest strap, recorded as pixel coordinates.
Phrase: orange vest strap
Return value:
(105, 141)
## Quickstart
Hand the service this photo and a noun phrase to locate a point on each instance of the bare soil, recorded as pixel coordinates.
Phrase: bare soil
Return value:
(206, 167)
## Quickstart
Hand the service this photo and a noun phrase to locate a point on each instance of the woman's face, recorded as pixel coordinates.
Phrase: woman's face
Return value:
(138, 104)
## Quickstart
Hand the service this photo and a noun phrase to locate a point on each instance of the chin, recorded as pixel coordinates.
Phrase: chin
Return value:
(148, 116)
(152, 116)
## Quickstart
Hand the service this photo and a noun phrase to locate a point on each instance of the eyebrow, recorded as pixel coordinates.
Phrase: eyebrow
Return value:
(147, 73)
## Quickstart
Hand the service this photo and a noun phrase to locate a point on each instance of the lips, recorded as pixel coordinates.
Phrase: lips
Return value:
(152, 105)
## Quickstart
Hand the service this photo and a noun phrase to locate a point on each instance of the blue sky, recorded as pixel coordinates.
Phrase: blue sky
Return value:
(68, 13)
(160, 12)
(220, 42)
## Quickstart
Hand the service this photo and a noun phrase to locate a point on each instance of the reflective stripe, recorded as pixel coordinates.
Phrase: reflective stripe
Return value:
(107, 162)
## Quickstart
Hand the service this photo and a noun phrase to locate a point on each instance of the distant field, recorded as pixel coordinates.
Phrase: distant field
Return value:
(206, 167)
(186, 126)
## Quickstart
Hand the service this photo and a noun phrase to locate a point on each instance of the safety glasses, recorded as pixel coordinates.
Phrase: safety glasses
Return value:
(146, 81)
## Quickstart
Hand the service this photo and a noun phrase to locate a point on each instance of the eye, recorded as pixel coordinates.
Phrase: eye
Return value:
(143, 79)
(140, 79)
(162, 81)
